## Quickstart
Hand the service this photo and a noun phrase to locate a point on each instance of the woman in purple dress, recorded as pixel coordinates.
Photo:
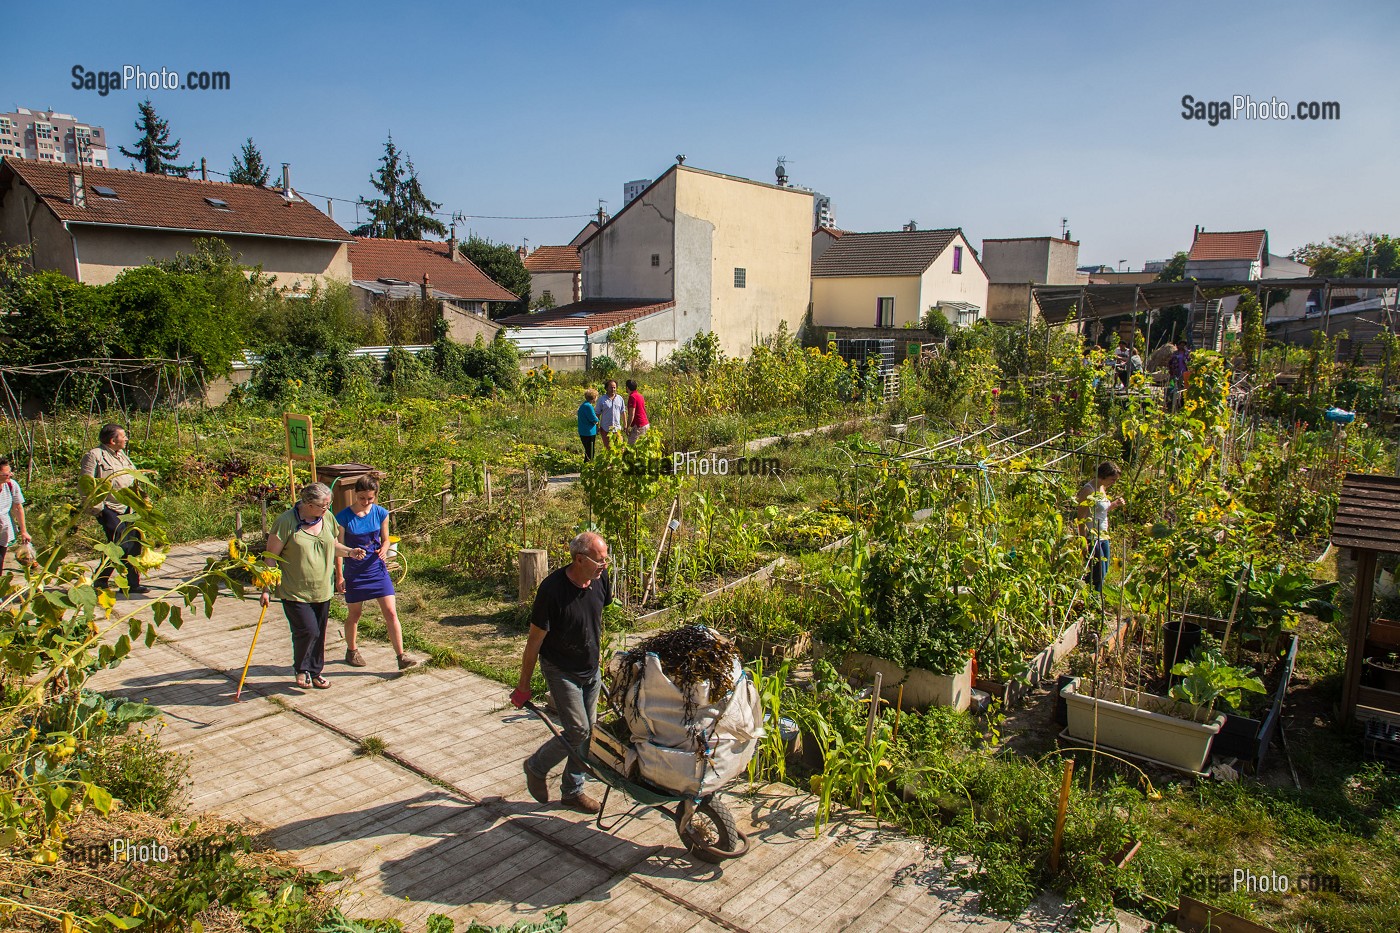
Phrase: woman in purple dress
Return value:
(365, 524)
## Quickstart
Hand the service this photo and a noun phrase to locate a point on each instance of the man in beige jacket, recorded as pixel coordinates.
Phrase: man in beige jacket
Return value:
(108, 463)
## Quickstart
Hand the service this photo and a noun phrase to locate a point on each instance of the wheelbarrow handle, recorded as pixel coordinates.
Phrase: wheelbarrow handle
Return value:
(529, 705)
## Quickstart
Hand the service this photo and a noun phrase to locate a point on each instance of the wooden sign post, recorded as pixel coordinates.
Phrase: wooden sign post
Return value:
(301, 445)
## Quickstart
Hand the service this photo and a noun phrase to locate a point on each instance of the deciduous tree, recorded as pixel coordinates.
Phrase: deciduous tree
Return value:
(503, 264)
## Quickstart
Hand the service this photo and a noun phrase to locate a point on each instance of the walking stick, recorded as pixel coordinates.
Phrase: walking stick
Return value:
(262, 615)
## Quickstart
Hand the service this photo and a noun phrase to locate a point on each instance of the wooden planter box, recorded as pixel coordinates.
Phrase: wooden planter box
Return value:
(922, 689)
(1146, 726)
(1247, 738)
(1013, 693)
(1381, 639)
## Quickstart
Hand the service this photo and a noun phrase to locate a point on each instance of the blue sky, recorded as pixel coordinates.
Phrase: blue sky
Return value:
(1000, 118)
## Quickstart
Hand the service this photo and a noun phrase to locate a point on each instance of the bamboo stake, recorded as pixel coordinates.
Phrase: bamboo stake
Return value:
(898, 705)
(1060, 817)
(665, 535)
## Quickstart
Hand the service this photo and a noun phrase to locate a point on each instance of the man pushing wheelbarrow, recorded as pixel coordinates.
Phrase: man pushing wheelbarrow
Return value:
(689, 716)
(566, 627)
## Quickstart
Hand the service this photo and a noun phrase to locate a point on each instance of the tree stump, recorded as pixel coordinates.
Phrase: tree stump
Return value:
(534, 567)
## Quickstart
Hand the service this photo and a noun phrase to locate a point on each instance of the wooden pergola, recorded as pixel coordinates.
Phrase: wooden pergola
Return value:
(1368, 522)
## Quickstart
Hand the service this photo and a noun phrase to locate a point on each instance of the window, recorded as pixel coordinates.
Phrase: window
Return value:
(219, 204)
(741, 277)
(957, 260)
(884, 312)
(656, 259)
(102, 191)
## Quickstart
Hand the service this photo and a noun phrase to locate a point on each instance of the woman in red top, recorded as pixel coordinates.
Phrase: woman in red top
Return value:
(637, 422)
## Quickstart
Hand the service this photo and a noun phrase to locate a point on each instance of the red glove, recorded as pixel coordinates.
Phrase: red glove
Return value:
(519, 697)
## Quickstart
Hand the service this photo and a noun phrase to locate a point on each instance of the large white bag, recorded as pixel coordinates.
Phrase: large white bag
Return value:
(699, 758)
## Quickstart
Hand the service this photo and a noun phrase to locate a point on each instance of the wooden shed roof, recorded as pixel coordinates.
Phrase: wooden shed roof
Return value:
(1368, 515)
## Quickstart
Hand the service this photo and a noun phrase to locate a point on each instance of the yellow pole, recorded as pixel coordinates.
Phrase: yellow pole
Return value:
(246, 664)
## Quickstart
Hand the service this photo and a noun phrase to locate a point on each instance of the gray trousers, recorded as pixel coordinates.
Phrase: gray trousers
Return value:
(576, 702)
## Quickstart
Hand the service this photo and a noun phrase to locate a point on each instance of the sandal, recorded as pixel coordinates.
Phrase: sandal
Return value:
(304, 681)
(320, 683)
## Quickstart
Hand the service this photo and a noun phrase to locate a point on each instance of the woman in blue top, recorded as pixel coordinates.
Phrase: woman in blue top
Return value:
(588, 423)
(366, 525)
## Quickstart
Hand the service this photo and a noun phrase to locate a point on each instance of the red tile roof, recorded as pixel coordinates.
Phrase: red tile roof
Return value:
(171, 203)
(1234, 244)
(905, 252)
(410, 260)
(554, 259)
(594, 313)
(836, 232)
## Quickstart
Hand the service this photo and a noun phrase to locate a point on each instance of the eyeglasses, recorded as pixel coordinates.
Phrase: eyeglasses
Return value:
(593, 560)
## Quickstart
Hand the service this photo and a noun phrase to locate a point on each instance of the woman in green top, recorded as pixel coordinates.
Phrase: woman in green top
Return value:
(304, 537)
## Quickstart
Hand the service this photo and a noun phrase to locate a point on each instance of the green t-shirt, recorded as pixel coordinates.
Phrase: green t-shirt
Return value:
(308, 559)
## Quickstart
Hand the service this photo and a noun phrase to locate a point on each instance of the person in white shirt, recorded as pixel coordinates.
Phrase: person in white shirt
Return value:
(611, 409)
(11, 511)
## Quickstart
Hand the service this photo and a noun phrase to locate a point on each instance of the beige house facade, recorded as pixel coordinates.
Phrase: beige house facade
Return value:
(731, 254)
(889, 280)
(93, 224)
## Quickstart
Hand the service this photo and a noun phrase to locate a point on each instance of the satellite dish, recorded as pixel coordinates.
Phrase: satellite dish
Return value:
(781, 171)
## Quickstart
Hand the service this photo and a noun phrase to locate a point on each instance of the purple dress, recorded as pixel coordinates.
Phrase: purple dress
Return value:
(369, 578)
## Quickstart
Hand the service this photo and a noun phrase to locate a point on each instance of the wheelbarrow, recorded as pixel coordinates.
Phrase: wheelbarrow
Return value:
(706, 827)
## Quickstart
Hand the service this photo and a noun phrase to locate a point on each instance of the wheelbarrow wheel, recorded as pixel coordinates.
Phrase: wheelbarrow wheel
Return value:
(712, 835)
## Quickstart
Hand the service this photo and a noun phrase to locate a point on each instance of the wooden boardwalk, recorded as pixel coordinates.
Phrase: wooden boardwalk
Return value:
(441, 822)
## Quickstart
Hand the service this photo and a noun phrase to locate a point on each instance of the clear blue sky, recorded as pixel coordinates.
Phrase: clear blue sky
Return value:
(997, 117)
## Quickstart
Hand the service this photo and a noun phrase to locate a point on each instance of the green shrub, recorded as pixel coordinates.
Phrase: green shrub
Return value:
(138, 771)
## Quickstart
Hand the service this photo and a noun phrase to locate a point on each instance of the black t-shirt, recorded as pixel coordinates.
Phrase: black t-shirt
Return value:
(573, 618)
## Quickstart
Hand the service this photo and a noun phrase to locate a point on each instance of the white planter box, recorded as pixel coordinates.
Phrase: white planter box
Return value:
(921, 688)
(1145, 725)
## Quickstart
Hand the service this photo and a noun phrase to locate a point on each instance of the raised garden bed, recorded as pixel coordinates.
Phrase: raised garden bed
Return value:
(1144, 725)
(1013, 693)
(921, 688)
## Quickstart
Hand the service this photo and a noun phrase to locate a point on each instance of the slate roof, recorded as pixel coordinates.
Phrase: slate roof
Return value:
(903, 252)
(554, 259)
(170, 203)
(410, 260)
(593, 313)
(1230, 244)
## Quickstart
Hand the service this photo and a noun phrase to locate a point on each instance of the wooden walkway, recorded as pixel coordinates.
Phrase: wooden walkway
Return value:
(441, 821)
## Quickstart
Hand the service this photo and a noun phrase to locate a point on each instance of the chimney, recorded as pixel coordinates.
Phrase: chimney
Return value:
(452, 253)
(330, 208)
(521, 252)
(426, 287)
(287, 180)
(203, 169)
(77, 192)
(911, 227)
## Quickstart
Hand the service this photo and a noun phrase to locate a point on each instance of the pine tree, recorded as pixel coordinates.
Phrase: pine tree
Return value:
(154, 149)
(416, 213)
(404, 212)
(248, 166)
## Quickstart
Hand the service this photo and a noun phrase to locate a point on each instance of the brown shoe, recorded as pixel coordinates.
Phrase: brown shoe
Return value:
(354, 658)
(406, 663)
(582, 803)
(537, 786)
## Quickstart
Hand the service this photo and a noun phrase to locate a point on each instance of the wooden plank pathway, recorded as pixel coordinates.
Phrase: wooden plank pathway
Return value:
(440, 822)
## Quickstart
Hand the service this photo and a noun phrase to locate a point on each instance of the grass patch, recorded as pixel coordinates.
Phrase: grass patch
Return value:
(371, 746)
